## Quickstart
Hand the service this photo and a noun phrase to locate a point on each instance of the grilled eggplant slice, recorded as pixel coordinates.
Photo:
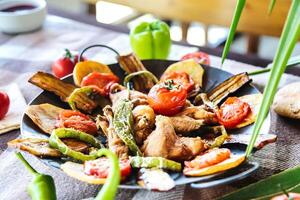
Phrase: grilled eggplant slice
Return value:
(227, 87)
(44, 116)
(35, 146)
(50, 83)
(130, 64)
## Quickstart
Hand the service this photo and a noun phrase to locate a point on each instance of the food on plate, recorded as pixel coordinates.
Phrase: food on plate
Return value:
(287, 101)
(151, 40)
(35, 146)
(213, 161)
(76, 120)
(163, 142)
(65, 65)
(44, 116)
(151, 125)
(100, 167)
(232, 112)
(199, 57)
(154, 162)
(167, 97)
(60, 133)
(155, 179)
(42, 186)
(191, 67)
(4, 104)
(180, 78)
(84, 68)
(228, 87)
(102, 81)
(131, 64)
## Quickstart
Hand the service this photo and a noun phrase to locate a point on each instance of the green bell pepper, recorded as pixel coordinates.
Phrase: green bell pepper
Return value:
(151, 40)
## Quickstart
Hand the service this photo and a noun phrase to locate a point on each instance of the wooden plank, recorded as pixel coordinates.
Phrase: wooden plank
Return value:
(254, 19)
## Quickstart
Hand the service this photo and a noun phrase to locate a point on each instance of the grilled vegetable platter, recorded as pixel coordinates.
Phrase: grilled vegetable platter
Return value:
(169, 122)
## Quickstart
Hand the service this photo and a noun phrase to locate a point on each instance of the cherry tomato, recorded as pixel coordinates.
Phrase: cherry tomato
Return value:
(199, 57)
(294, 196)
(4, 104)
(76, 120)
(101, 167)
(210, 158)
(167, 98)
(232, 112)
(180, 78)
(65, 65)
(102, 80)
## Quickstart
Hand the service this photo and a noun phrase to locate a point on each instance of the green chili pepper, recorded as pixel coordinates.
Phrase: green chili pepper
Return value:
(154, 162)
(146, 73)
(123, 123)
(42, 186)
(151, 40)
(56, 143)
(110, 187)
(71, 99)
(220, 139)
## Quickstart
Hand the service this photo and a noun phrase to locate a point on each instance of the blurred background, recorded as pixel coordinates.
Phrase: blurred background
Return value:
(197, 22)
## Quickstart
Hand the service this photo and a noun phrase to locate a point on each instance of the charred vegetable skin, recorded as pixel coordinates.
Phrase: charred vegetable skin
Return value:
(123, 125)
(56, 142)
(50, 83)
(42, 186)
(154, 162)
(131, 64)
(227, 87)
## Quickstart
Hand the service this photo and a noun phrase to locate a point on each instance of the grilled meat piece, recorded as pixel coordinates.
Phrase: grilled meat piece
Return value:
(191, 118)
(118, 92)
(144, 120)
(114, 143)
(163, 142)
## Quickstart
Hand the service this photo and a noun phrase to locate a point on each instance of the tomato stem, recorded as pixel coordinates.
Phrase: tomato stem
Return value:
(68, 54)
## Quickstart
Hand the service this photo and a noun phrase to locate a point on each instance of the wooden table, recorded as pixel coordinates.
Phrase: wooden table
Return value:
(22, 55)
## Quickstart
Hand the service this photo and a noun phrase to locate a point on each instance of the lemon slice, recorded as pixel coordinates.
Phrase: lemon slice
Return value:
(75, 170)
(233, 161)
(84, 68)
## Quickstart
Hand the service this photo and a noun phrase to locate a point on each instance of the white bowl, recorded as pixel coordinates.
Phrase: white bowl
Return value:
(22, 21)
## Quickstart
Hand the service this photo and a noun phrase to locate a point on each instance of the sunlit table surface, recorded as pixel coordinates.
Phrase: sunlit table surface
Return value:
(22, 55)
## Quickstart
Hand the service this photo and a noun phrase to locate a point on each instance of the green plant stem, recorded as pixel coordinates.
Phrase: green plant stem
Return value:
(271, 6)
(237, 14)
(289, 37)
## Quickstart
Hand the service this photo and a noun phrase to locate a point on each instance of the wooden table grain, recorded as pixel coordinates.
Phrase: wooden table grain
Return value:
(22, 55)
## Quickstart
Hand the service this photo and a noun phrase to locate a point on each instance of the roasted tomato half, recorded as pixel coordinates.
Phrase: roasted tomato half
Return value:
(232, 112)
(167, 98)
(102, 80)
(76, 120)
(208, 159)
(180, 78)
(199, 57)
(100, 167)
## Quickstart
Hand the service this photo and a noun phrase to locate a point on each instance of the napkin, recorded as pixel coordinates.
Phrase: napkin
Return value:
(17, 106)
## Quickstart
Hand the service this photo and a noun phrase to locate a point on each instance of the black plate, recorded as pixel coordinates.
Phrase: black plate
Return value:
(212, 77)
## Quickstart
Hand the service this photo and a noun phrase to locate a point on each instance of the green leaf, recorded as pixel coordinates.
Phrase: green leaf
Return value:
(288, 39)
(236, 17)
(264, 189)
(271, 6)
